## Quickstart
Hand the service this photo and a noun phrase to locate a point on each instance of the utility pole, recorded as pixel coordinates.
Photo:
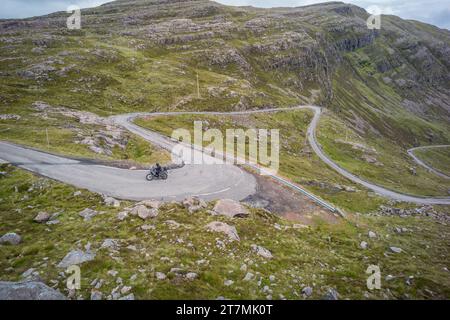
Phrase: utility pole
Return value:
(198, 87)
(48, 141)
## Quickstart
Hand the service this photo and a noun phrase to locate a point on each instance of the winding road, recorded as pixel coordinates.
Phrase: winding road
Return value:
(423, 164)
(207, 181)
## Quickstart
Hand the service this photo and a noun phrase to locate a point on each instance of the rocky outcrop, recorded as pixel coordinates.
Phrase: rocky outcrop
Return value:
(28, 290)
(230, 208)
(11, 238)
(76, 257)
(229, 231)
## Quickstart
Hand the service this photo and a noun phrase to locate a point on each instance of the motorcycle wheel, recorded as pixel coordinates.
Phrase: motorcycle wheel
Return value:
(164, 176)
(150, 177)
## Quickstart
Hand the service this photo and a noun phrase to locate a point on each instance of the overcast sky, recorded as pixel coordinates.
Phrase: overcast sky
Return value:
(436, 12)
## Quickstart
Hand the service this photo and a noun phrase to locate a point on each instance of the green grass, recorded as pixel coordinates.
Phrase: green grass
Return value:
(323, 256)
(393, 164)
(437, 158)
(32, 130)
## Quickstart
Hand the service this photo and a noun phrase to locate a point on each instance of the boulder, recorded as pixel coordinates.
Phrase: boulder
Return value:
(261, 251)
(122, 215)
(144, 212)
(110, 201)
(150, 204)
(230, 231)
(230, 208)
(307, 291)
(28, 290)
(11, 238)
(42, 217)
(76, 257)
(96, 295)
(332, 294)
(194, 204)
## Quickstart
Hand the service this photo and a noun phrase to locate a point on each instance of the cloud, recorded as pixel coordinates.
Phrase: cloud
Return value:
(436, 12)
(30, 8)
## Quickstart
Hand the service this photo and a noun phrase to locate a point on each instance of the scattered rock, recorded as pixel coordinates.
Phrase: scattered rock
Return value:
(11, 238)
(9, 117)
(147, 227)
(372, 235)
(88, 214)
(150, 204)
(111, 244)
(144, 212)
(307, 291)
(42, 217)
(228, 283)
(110, 201)
(76, 257)
(160, 276)
(363, 245)
(194, 204)
(230, 231)
(125, 290)
(230, 208)
(128, 297)
(31, 275)
(173, 224)
(263, 252)
(28, 290)
(77, 193)
(332, 294)
(96, 295)
(122, 215)
(113, 273)
(395, 249)
(191, 276)
(249, 276)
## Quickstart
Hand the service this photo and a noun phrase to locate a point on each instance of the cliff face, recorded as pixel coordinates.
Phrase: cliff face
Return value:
(143, 55)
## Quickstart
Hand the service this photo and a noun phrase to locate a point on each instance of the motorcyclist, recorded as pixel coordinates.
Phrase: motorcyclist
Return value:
(157, 169)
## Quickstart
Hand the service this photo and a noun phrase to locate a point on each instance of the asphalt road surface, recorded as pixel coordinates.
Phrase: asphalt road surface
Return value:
(126, 121)
(206, 181)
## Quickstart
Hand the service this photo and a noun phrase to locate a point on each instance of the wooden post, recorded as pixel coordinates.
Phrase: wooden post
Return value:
(198, 87)
(48, 141)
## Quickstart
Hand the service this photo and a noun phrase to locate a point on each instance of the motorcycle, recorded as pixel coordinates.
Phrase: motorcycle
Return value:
(163, 175)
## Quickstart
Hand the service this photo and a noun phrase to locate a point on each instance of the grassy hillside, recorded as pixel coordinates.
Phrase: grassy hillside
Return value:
(437, 158)
(321, 257)
(389, 88)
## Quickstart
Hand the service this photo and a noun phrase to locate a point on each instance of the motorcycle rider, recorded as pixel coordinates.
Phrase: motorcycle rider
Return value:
(158, 169)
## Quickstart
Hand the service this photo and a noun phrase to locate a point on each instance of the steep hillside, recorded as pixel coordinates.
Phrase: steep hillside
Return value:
(388, 88)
